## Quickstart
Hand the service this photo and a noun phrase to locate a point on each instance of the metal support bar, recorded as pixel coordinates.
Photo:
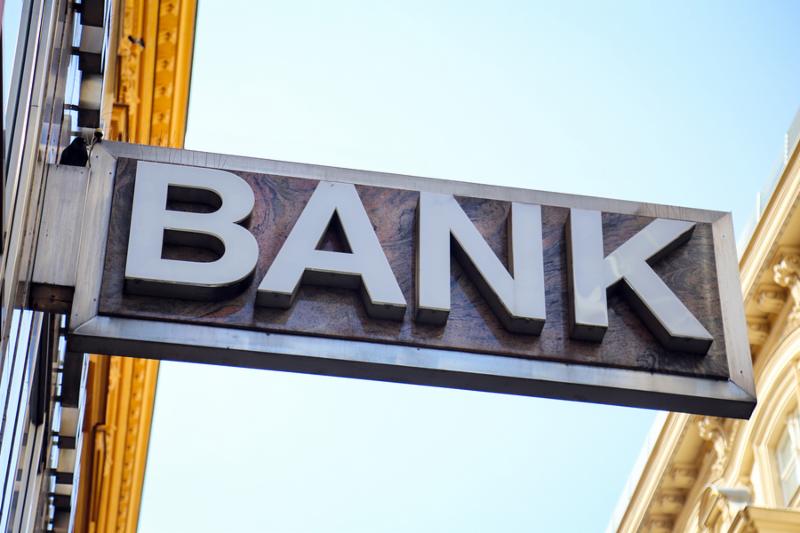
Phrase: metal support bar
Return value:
(56, 257)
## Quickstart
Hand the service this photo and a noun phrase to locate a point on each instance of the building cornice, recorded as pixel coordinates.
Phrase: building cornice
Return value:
(660, 465)
(777, 215)
(768, 281)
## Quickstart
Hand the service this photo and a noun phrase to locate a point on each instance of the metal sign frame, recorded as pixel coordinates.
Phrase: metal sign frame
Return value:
(91, 332)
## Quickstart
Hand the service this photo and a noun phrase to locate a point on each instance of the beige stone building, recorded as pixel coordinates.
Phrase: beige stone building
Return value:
(706, 474)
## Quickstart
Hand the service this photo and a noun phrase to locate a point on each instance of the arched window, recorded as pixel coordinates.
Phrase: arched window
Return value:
(788, 457)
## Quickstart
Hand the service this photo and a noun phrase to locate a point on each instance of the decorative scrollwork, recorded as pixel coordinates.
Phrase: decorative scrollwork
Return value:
(712, 430)
(787, 274)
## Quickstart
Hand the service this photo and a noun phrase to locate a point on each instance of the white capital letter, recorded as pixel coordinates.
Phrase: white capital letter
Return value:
(591, 275)
(146, 272)
(517, 298)
(366, 267)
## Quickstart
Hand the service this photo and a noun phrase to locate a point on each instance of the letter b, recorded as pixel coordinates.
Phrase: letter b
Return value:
(152, 223)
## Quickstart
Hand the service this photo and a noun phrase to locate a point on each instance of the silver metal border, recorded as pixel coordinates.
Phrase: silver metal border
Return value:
(426, 366)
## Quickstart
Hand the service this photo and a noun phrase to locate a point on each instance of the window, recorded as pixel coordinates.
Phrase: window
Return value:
(788, 456)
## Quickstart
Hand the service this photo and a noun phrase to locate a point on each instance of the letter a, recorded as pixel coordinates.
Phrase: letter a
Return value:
(366, 267)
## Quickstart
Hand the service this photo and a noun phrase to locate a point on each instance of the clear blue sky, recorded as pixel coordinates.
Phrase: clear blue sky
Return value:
(680, 103)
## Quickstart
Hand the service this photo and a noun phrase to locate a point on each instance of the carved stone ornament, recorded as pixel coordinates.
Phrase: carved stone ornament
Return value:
(659, 524)
(757, 330)
(787, 274)
(711, 429)
(683, 474)
(670, 501)
(770, 299)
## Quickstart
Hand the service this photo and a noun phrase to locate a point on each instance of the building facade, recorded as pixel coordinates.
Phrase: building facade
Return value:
(707, 474)
(39, 382)
(75, 427)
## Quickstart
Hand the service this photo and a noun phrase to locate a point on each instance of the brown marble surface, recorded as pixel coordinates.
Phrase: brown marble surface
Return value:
(689, 271)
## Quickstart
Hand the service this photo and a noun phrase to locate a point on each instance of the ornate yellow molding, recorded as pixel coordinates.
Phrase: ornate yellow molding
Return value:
(115, 452)
(154, 58)
(148, 105)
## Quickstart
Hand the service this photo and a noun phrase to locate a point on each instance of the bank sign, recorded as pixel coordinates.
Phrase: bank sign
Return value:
(238, 261)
